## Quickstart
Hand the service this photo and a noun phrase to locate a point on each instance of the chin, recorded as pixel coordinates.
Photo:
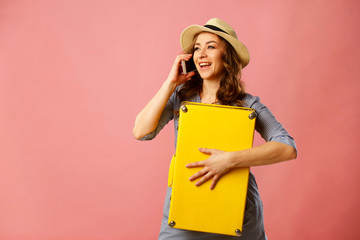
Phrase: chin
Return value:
(205, 76)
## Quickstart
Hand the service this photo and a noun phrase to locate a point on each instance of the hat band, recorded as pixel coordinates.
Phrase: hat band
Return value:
(215, 28)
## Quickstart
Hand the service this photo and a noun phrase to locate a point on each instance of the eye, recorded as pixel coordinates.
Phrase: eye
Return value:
(196, 48)
(211, 47)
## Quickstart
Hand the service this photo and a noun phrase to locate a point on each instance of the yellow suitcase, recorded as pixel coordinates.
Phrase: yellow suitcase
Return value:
(220, 210)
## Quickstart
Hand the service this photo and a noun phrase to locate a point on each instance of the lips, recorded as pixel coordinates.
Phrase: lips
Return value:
(204, 64)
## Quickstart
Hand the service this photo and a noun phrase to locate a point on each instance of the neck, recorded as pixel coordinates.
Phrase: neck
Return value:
(209, 90)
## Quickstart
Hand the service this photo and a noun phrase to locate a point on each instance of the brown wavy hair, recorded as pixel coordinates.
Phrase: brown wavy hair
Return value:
(231, 90)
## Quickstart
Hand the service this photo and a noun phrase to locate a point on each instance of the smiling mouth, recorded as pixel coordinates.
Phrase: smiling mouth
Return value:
(203, 65)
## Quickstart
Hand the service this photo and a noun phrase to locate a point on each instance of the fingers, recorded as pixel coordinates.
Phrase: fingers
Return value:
(175, 75)
(195, 164)
(189, 75)
(203, 179)
(209, 151)
(205, 150)
(214, 181)
(183, 57)
(179, 59)
(198, 174)
(212, 168)
(206, 175)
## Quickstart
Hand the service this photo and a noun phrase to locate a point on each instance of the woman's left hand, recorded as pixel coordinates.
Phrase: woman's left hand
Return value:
(213, 168)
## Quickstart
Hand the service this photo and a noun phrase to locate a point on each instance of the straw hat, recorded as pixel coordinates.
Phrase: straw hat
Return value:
(218, 27)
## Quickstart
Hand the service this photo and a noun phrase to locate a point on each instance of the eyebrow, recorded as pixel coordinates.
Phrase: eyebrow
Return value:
(207, 42)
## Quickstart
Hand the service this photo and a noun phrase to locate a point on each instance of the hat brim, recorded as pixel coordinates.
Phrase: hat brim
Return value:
(188, 34)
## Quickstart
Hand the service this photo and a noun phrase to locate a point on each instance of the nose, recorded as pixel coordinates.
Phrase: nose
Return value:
(203, 53)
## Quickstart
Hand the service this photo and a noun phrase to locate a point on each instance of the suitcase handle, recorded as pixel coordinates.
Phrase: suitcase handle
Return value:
(171, 171)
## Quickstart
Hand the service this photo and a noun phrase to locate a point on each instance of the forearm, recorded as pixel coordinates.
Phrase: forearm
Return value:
(265, 154)
(147, 120)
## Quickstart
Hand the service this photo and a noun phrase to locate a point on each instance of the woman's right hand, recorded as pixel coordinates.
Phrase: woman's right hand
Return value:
(176, 77)
(147, 120)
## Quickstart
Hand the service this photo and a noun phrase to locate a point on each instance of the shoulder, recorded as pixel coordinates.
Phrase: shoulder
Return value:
(251, 101)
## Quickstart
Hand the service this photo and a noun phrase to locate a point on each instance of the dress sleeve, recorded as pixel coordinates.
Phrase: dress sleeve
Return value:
(166, 116)
(267, 125)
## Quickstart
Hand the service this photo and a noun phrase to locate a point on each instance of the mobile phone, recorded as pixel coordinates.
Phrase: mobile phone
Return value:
(188, 66)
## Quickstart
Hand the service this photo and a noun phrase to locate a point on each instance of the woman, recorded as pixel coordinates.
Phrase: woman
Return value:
(219, 57)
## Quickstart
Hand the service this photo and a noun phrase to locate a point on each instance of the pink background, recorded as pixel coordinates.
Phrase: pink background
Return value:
(74, 74)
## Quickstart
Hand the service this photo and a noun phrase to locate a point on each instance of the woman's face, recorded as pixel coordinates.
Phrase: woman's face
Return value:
(209, 50)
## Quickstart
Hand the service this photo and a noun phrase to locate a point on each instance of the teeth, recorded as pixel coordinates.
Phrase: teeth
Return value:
(204, 64)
